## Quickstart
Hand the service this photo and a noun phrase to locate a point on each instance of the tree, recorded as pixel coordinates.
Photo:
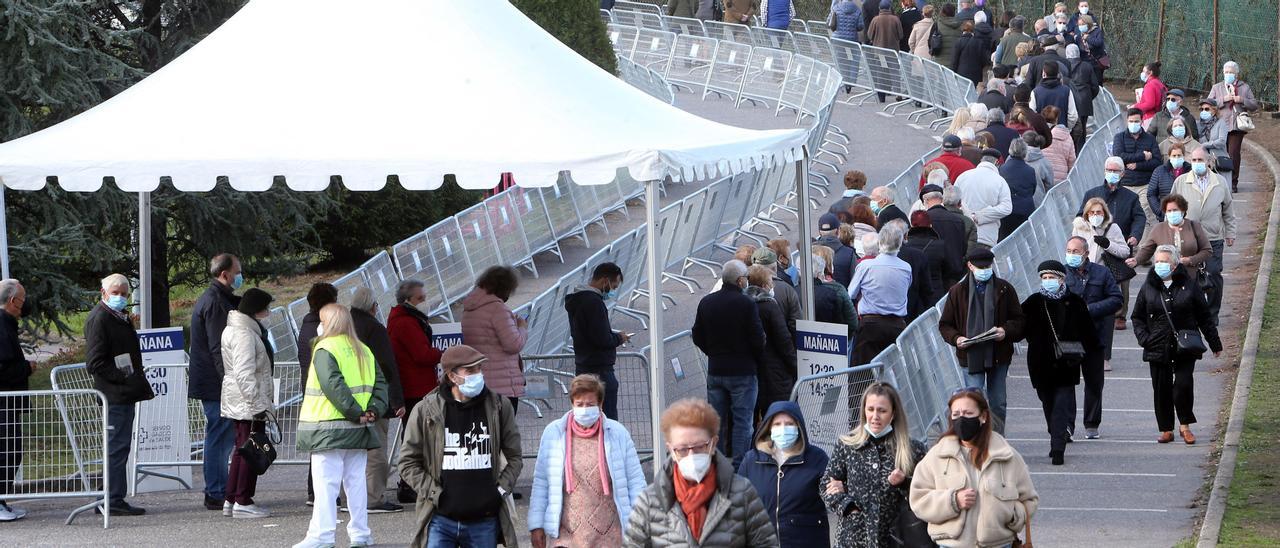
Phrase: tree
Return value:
(577, 24)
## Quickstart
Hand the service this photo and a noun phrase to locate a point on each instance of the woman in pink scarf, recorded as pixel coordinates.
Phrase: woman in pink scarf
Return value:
(587, 475)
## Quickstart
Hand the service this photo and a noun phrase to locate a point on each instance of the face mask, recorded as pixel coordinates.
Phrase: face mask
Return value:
(472, 385)
(586, 416)
(1174, 217)
(1084, 10)
(1199, 167)
(983, 274)
(1163, 270)
(1179, 132)
(1096, 220)
(694, 466)
(857, 247)
(1135, 127)
(117, 302)
(1074, 261)
(1171, 106)
(1206, 115)
(611, 294)
(1051, 285)
(1112, 178)
(784, 435)
(1176, 163)
(1082, 28)
(882, 433)
(1229, 77)
(968, 427)
(1144, 76)
(1062, 27)
(237, 281)
(875, 207)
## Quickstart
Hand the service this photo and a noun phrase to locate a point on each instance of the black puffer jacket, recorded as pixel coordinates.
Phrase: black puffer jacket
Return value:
(776, 369)
(107, 337)
(1186, 304)
(1071, 322)
(927, 241)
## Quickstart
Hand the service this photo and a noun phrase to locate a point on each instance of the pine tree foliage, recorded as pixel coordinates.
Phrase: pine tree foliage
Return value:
(577, 24)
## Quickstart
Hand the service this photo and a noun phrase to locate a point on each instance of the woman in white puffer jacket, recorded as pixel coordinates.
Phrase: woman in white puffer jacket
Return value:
(247, 360)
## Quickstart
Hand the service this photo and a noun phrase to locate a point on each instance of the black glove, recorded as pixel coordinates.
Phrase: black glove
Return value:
(262, 416)
(1102, 241)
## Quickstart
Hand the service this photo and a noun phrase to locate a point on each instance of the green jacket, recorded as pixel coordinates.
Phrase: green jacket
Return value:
(335, 388)
(422, 457)
(845, 314)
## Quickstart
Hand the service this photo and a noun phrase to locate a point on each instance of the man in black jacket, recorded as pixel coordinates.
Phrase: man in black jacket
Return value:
(727, 328)
(595, 343)
(1095, 284)
(208, 319)
(14, 372)
(113, 356)
(371, 332)
(951, 228)
(842, 270)
(921, 282)
(884, 208)
(1138, 149)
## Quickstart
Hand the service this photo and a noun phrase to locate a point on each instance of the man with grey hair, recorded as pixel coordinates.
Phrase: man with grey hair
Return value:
(727, 328)
(416, 357)
(1005, 51)
(879, 291)
(952, 229)
(953, 201)
(1003, 134)
(14, 372)
(364, 317)
(1209, 204)
(1126, 212)
(884, 208)
(208, 320)
(987, 199)
(921, 291)
(113, 356)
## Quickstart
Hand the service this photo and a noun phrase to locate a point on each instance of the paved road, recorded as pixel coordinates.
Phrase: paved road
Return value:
(176, 518)
(1125, 489)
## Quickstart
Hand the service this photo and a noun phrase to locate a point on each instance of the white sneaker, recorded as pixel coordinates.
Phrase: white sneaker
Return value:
(252, 511)
(227, 509)
(9, 513)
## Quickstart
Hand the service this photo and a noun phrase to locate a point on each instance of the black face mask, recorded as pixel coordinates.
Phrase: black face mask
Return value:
(968, 427)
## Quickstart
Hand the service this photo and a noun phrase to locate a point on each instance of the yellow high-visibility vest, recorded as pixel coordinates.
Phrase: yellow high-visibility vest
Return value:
(316, 407)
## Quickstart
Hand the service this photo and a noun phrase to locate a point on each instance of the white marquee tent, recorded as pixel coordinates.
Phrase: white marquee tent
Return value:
(308, 89)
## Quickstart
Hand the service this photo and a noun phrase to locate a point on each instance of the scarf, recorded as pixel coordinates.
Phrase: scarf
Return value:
(576, 430)
(981, 317)
(693, 497)
(1062, 290)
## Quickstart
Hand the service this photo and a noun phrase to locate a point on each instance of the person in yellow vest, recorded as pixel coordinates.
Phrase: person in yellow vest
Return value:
(344, 396)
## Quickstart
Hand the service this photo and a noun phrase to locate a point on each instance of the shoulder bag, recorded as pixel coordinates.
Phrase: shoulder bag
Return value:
(259, 451)
(1122, 271)
(1189, 341)
(935, 40)
(1244, 122)
(1063, 351)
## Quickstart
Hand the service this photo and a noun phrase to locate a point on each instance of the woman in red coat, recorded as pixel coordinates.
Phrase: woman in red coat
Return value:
(411, 341)
(1153, 91)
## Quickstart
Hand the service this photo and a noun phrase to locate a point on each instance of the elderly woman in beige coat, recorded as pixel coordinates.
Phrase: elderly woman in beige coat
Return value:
(918, 41)
(247, 360)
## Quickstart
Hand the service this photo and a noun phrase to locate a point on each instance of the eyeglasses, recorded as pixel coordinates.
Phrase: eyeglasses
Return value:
(687, 450)
(1206, 109)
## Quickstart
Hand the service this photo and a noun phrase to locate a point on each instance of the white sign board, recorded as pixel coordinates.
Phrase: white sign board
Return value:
(823, 348)
(445, 335)
(162, 425)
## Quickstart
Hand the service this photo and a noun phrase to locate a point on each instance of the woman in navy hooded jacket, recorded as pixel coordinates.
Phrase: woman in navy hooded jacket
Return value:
(785, 470)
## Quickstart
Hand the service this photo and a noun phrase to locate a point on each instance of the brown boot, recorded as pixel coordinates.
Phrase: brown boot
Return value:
(1165, 437)
(1120, 326)
(1187, 436)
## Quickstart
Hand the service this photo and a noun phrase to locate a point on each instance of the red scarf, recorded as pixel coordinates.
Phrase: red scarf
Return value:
(693, 497)
(576, 430)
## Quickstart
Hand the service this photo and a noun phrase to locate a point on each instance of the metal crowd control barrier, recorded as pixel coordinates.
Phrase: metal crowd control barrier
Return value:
(57, 441)
(556, 370)
(685, 373)
(830, 402)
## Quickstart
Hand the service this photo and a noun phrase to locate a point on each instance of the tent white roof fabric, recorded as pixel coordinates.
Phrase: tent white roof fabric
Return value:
(308, 89)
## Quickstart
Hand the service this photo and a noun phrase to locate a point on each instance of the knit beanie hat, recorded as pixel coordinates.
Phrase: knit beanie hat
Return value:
(1052, 267)
(254, 302)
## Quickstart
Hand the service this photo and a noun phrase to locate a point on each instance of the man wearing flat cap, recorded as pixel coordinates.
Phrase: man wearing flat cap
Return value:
(979, 303)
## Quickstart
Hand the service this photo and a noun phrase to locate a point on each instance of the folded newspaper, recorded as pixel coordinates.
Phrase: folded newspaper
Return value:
(986, 336)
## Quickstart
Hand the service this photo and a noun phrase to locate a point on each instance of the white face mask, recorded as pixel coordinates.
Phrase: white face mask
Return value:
(319, 330)
(693, 467)
(1096, 220)
(586, 416)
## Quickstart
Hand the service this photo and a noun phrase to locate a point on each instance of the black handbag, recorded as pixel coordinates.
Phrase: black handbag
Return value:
(1189, 341)
(1224, 164)
(1063, 351)
(1122, 271)
(1202, 277)
(259, 451)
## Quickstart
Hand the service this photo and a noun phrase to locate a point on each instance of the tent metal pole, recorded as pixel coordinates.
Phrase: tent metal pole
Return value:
(144, 259)
(4, 237)
(806, 236)
(653, 203)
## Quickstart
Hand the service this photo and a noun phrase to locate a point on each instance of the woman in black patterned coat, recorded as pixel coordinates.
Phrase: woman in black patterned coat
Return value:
(869, 475)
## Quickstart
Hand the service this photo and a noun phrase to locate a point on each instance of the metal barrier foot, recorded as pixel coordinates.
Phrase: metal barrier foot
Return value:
(634, 314)
(106, 514)
(893, 107)
(688, 282)
(940, 122)
(695, 261)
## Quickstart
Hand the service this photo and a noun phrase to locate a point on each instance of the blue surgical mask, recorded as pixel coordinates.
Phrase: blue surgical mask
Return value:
(1135, 127)
(1206, 115)
(1082, 28)
(883, 433)
(611, 295)
(1179, 132)
(1051, 285)
(1176, 163)
(784, 435)
(1199, 167)
(1163, 270)
(237, 281)
(875, 207)
(1074, 261)
(1144, 76)
(1112, 178)
(586, 416)
(1171, 105)
(983, 274)
(1174, 217)
(471, 385)
(1229, 77)
(117, 302)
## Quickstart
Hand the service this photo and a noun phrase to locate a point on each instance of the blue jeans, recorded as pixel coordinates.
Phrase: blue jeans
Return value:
(446, 533)
(734, 399)
(120, 420)
(219, 440)
(992, 381)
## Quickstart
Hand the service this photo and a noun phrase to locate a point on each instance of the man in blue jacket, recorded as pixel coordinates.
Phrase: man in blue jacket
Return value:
(208, 319)
(1097, 286)
(727, 328)
(595, 343)
(1138, 149)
